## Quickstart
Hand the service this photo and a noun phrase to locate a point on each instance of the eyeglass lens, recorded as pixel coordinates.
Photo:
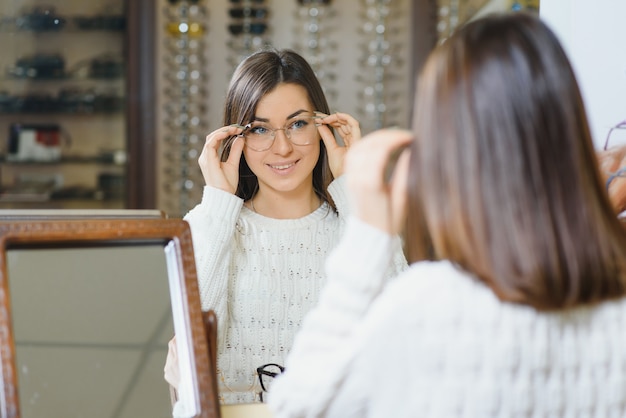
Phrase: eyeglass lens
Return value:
(299, 130)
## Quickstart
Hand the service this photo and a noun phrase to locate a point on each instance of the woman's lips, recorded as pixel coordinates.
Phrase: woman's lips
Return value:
(283, 168)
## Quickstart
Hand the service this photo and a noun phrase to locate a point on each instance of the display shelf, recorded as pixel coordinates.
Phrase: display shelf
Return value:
(63, 104)
(72, 159)
(64, 204)
(46, 23)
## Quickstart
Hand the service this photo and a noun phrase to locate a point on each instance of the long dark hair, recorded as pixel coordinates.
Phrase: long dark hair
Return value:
(254, 77)
(503, 176)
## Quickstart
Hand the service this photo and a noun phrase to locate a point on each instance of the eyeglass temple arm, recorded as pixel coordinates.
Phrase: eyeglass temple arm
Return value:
(620, 125)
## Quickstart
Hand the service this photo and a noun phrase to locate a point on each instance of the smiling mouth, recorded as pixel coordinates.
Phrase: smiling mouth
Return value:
(282, 167)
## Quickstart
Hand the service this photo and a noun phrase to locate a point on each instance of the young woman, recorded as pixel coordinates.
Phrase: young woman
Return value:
(515, 304)
(272, 209)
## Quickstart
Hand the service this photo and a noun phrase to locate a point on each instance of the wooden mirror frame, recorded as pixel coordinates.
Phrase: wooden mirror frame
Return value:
(171, 233)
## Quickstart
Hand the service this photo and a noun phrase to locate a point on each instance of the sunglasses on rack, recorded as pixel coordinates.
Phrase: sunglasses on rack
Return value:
(249, 12)
(251, 28)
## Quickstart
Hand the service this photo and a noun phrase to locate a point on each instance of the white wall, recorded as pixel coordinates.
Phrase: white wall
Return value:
(594, 35)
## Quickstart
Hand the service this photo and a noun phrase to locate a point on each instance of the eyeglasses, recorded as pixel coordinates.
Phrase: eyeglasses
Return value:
(621, 125)
(266, 374)
(300, 130)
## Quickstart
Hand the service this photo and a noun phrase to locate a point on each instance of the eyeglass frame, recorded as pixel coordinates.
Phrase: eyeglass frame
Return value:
(260, 371)
(285, 129)
(620, 125)
(621, 173)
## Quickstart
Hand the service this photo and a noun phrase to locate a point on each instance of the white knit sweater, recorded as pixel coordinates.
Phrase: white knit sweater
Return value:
(261, 276)
(438, 343)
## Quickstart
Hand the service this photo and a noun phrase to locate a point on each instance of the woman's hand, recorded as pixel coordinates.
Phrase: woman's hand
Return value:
(610, 161)
(218, 174)
(349, 131)
(379, 198)
(171, 372)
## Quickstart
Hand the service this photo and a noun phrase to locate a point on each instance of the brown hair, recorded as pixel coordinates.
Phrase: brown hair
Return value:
(503, 171)
(256, 76)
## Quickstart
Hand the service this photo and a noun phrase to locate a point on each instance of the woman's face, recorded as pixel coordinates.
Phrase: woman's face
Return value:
(284, 167)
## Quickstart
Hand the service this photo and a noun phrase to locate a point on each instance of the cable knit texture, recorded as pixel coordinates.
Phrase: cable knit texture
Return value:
(261, 276)
(438, 343)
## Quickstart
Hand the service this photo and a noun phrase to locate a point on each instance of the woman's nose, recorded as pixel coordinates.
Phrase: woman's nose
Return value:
(282, 145)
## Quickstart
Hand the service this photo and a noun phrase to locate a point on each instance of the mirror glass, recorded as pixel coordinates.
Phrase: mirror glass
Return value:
(91, 327)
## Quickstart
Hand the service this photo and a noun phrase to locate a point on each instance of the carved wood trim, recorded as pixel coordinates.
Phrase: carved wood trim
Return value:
(104, 232)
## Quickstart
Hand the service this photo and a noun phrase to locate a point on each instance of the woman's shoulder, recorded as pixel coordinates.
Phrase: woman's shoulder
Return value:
(443, 290)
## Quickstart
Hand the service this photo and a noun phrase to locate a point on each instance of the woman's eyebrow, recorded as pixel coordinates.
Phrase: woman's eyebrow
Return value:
(294, 114)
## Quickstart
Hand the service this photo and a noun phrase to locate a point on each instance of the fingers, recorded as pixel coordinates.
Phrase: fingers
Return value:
(376, 199)
(374, 152)
(215, 138)
(209, 161)
(328, 137)
(236, 149)
(346, 126)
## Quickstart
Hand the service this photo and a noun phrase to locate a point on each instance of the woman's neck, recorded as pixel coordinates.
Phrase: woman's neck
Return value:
(284, 205)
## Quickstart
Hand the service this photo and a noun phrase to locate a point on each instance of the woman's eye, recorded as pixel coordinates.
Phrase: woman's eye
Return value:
(259, 130)
(299, 124)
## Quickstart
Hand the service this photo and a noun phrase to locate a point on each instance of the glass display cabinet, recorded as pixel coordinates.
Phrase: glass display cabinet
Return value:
(67, 97)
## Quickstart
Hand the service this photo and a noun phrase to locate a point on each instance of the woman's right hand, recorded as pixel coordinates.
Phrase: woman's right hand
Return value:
(221, 175)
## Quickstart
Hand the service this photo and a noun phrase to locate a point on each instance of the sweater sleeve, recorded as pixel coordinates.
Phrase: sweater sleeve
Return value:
(327, 342)
(212, 224)
(339, 193)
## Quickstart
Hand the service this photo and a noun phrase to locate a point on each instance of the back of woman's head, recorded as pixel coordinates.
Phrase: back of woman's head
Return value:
(256, 76)
(503, 169)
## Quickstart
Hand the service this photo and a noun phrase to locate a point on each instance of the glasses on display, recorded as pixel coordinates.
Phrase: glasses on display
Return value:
(185, 91)
(266, 374)
(247, 28)
(240, 13)
(300, 130)
(381, 62)
(314, 21)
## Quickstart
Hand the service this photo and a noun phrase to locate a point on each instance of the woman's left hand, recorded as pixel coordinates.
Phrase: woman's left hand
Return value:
(377, 186)
(348, 129)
